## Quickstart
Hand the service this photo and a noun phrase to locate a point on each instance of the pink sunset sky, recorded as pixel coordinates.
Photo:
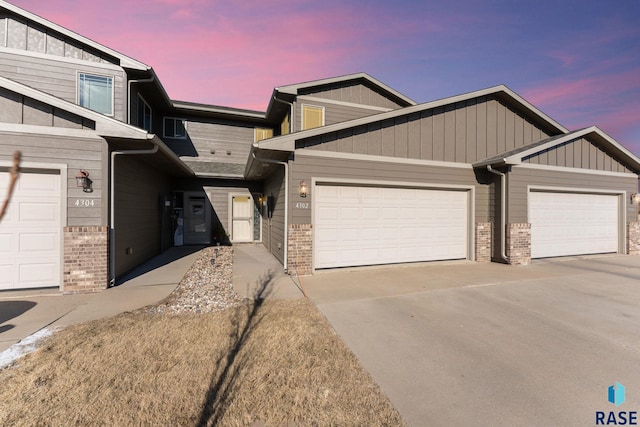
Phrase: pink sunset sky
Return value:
(578, 61)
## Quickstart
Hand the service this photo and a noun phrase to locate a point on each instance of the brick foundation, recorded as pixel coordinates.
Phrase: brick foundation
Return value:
(483, 241)
(300, 248)
(86, 257)
(633, 238)
(519, 243)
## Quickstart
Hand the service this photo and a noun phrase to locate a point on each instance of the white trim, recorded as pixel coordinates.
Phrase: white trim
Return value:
(575, 170)
(622, 206)
(471, 189)
(230, 197)
(302, 106)
(62, 168)
(49, 131)
(56, 58)
(344, 103)
(113, 88)
(305, 152)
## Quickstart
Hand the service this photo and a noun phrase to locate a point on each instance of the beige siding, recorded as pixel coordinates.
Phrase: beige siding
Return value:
(76, 153)
(580, 153)
(352, 92)
(464, 132)
(60, 78)
(307, 167)
(520, 178)
(141, 221)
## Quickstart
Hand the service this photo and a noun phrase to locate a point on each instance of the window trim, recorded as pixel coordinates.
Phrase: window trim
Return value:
(321, 107)
(146, 104)
(174, 119)
(106, 76)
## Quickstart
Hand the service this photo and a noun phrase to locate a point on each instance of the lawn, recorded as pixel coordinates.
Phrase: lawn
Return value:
(268, 362)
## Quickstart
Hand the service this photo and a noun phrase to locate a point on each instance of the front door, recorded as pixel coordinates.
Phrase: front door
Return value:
(242, 218)
(197, 219)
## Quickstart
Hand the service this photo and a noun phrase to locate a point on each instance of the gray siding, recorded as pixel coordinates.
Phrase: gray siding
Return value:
(219, 199)
(305, 168)
(465, 132)
(580, 153)
(59, 78)
(333, 113)
(141, 221)
(76, 153)
(273, 228)
(519, 178)
(354, 92)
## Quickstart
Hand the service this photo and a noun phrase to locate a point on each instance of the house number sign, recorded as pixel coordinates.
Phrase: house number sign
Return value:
(302, 205)
(84, 203)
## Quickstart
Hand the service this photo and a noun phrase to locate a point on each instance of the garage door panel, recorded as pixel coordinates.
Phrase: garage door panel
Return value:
(564, 224)
(38, 273)
(394, 224)
(37, 243)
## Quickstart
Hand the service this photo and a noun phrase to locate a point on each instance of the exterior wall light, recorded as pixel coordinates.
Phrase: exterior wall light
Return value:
(303, 190)
(83, 180)
(635, 198)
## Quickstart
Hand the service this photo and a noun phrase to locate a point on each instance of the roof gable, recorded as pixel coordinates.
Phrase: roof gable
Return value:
(37, 21)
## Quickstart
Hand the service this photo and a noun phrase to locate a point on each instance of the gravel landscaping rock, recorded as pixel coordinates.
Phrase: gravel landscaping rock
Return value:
(206, 287)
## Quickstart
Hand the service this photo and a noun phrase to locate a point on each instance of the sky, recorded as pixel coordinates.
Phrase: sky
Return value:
(577, 61)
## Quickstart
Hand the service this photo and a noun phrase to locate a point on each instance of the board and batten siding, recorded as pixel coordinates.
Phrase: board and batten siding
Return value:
(580, 153)
(466, 132)
(273, 230)
(308, 167)
(77, 153)
(59, 77)
(353, 92)
(142, 223)
(520, 178)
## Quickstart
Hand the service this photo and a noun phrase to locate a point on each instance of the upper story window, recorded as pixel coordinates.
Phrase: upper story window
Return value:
(174, 128)
(96, 93)
(285, 125)
(144, 114)
(262, 133)
(312, 117)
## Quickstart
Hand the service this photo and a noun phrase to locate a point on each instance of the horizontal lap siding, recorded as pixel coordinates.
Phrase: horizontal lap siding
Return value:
(219, 137)
(59, 78)
(306, 168)
(356, 93)
(219, 198)
(520, 178)
(76, 153)
(333, 113)
(580, 153)
(273, 229)
(464, 132)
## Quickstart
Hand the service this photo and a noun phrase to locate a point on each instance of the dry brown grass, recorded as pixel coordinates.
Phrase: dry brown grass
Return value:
(275, 362)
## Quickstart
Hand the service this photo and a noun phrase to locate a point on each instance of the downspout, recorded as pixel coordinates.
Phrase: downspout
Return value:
(503, 211)
(286, 204)
(130, 82)
(291, 113)
(112, 229)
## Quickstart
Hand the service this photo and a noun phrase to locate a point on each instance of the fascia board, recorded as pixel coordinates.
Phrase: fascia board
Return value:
(125, 61)
(105, 126)
(170, 154)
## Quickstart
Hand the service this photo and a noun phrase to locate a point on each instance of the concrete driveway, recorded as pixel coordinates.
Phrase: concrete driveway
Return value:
(487, 344)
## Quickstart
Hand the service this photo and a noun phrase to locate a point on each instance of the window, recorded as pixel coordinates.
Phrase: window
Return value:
(174, 128)
(262, 133)
(96, 93)
(144, 114)
(312, 117)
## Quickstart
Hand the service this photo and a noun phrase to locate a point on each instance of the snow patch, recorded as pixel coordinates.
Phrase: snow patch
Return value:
(23, 347)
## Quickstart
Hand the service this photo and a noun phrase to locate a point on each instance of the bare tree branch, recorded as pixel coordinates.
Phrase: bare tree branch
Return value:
(13, 178)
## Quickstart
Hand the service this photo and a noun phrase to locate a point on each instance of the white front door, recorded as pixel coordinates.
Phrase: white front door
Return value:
(242, 212)
(378, 225)
(573, 223)
(30, 232)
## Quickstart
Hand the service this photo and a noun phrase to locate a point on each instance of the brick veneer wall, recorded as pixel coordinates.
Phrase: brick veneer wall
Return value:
(483, 241)
(633, 238)
(300, 238)
(519, 243)
(86, 257)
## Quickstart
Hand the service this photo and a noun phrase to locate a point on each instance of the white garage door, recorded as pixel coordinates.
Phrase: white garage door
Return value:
(30, 232)
(573, 224)
(374, 225)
